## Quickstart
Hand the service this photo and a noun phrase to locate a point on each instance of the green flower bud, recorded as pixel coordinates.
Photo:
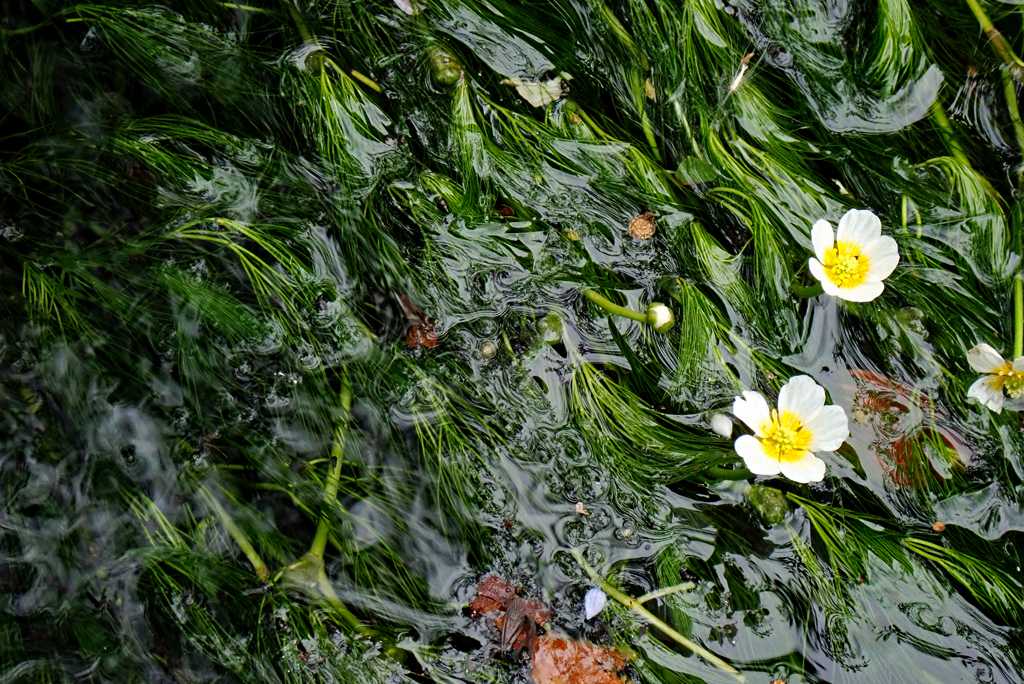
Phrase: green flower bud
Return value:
(444, 70)
(660, 317)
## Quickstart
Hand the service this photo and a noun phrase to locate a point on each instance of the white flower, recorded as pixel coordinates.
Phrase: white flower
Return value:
(1000, 375)
(853, 263)
(594, 602)
(784, 441)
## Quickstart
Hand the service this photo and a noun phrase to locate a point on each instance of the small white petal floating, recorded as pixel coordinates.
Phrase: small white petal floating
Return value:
(784, 440)
(999, 375)
(539, 93)
(594, 602)
(852, 263)
(721, 424)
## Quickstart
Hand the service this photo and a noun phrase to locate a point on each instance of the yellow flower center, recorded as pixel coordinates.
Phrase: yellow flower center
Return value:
(1014, 383)
(845, 265)
(784, 437)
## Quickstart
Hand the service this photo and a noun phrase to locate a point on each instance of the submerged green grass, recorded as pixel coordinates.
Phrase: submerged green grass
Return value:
(295, 344)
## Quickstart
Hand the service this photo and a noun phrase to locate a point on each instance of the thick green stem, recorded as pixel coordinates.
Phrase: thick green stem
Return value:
(613, 308)
(236, 534)
(316, 549)
(1018, 317)
(635, 606)
(995, 38)
(716, 473)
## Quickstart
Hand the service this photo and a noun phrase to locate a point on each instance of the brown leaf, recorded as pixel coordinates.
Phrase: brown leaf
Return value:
(493, 593)
(560, 661)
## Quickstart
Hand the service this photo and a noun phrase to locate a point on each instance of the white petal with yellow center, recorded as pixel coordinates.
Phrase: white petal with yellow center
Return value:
(984, 359)
(864, 292)
(753, 410)
(988, 391)
(858, 227)
(829, 428)
(809, 468)
(822, 238)
(802, 397)
(754, 457)
(883, 257)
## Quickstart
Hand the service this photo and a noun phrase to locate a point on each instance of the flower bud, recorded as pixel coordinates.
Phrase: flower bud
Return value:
(445, 71)
(660, 317)
(721, 424)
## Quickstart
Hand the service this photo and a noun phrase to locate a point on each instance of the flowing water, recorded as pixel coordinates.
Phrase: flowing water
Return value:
(312, 323)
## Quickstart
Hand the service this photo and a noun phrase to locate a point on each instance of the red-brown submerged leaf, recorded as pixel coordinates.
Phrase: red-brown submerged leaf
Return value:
(560, 661)
(493, 593)
(886, 405)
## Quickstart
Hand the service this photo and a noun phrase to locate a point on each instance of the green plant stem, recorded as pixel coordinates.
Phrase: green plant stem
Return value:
(938, 115)
(245, 8)
(307, 37)
(258, 566)
(716, 473)
(649, 133)
(667, 591)
(319, 544)
(1018, 316)
(1010, 93)
(635, 606)
(806, 291)
(591, 122)
(613, 308)
(995, 38)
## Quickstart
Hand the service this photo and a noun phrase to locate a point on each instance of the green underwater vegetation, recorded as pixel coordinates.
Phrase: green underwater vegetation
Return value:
(313, 315)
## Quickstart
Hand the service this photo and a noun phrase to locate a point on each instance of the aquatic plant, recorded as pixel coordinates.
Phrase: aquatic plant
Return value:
(315, 315)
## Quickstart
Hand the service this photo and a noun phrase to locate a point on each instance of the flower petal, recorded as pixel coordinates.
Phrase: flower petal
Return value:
(859, 226)
(1018, 364)
(822, 237)
(864, 292)
(883, 255)
(818, 271)
(829, 429)
(755, 458)
(810, 468)
(802, 397)
(988, 390)
(753, 410)
(984, 359)
(594, 602)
